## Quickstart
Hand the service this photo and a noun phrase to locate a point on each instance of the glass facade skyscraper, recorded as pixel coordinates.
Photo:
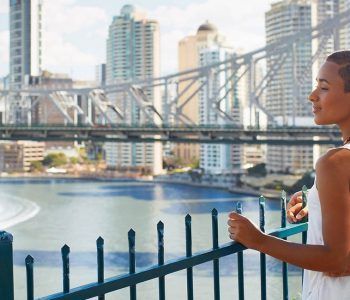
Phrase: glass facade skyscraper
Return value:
(25, 40)
(344, 33)
(287, 93)
(133, 53)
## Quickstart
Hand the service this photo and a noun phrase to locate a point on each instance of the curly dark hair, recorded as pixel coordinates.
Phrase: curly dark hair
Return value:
(342, 58)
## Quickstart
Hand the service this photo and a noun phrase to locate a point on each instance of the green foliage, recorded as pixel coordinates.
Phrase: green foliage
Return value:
(82, 153)
(195, 164)
(36, 166)
(277, 185)
(74, 160)
(178, 162)
(99, 156)
(307, 179)
(258, 170)
(55, 160)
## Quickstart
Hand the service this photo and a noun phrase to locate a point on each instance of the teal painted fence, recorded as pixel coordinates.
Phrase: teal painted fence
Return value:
(103, 286)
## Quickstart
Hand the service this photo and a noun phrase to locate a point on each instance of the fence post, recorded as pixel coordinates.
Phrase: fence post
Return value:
(262, 255)
(6, 266)
(240, 262)
(284, 264)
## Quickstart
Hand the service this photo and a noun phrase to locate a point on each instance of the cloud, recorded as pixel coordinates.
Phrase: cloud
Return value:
(70, 26)
(72, 37)
(242, 26)
(61, 54)
(65, 17)
(4, 8)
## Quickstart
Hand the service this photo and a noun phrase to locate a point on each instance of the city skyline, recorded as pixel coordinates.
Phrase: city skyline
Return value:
(67, 46)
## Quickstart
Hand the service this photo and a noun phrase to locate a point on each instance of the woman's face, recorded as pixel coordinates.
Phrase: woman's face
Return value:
(330, 104)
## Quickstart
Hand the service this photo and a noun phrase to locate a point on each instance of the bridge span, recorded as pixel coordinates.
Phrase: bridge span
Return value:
(178, 134)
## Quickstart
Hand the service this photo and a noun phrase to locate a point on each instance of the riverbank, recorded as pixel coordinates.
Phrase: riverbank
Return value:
(96, 176)
(271, 194)
(112, 176)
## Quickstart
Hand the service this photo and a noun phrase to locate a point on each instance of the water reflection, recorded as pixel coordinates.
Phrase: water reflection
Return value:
(186, 199)
(76, 212)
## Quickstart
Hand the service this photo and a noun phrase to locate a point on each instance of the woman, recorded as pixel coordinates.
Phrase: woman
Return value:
(326, 256)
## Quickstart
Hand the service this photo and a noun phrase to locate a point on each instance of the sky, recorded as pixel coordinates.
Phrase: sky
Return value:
(75, 31)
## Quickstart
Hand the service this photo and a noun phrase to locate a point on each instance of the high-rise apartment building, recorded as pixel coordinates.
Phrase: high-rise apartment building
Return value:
(217, 158)
(339, 39)
(133, 53)
(189, 49)
(344, 33)
(286, 97)
(321, 11)
(18, 156)
(206, 47)
(100, 74)
(25, 40)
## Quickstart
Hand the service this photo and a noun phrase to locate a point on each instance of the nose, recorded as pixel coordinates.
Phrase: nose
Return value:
(313, 96)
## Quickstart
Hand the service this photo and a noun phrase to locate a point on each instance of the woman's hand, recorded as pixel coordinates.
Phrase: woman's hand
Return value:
(295, 212)
(243, 231)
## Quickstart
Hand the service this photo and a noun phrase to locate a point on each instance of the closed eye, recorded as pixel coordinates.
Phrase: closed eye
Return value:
(321, 88)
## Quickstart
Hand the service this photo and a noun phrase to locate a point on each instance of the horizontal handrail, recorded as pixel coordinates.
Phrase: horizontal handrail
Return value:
(118, 282)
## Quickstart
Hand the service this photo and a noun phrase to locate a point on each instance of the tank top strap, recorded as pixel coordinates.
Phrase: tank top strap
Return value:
(346, 146)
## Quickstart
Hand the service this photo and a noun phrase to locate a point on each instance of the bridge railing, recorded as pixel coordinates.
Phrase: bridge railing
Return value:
(130, 280)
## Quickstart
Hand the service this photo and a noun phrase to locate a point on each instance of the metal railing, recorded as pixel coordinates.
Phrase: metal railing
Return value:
(103, 286)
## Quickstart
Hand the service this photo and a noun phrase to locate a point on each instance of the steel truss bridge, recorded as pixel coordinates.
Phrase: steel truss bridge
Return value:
(195, 134)
(156, 109)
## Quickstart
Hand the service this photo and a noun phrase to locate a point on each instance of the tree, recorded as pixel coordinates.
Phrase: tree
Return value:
(195, 164)
(55, 160)
(36, 166)
(99, 156)
(307, 179)
(258, 170)
(74, 160)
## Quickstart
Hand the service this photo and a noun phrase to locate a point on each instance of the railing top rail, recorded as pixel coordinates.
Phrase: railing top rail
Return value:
(122, 281)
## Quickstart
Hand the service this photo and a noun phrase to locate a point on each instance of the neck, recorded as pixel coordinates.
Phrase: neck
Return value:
(345, 131)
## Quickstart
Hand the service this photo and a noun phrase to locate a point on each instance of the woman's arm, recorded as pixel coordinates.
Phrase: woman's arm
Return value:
(333, 187)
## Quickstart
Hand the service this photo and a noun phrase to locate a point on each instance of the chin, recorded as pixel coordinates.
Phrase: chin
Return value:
(320, 121)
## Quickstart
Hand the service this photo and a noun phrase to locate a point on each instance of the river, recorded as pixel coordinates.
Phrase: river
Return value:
(43, 215)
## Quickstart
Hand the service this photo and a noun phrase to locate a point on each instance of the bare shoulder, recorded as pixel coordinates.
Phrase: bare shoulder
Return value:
(335, 160)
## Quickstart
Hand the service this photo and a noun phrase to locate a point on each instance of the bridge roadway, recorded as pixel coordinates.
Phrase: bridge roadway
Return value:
(177, 134)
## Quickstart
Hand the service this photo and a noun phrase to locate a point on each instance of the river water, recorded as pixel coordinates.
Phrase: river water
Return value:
(43, 215)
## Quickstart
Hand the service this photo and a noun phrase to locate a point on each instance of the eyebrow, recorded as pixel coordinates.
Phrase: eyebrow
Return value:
(322, 80)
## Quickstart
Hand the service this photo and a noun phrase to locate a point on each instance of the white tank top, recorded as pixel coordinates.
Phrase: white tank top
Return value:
(316, 285)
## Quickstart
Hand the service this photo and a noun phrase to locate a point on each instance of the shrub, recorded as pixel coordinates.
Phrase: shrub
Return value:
(55, 160)
(36, 166)
(258, 170)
